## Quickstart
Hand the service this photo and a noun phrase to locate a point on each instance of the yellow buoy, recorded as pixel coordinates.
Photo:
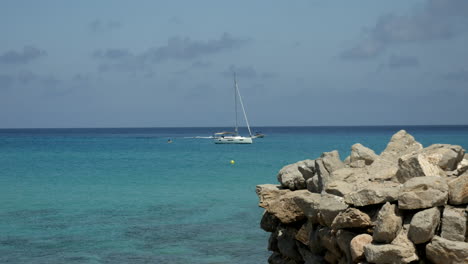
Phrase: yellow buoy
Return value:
(232, 162)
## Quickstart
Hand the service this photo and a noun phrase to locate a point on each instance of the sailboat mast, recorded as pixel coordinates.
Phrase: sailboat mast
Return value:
(236, 129)
(243, 109)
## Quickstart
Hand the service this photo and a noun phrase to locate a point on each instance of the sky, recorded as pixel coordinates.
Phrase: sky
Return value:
(170, 63)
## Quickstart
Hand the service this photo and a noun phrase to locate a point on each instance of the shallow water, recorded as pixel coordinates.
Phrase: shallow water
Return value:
(126, 196)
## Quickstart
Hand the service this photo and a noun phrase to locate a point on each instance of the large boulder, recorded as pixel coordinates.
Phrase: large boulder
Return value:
(309, 203)
(445, 251)
(453, 224)
(444, 155)
(280, 203)
(388, 224)
(351, 218)
(458, 190)
(325, 165)
(401, 250)
(416, 165)
(423, 225)
(294, 176)
(423, 192)
(357, 246)
(359, 152)
(330, 206)
(374, 193)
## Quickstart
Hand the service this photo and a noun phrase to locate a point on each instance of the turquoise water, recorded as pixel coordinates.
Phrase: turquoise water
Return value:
(126, 196)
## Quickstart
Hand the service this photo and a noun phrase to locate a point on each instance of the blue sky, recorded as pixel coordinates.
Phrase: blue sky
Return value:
(170, 63)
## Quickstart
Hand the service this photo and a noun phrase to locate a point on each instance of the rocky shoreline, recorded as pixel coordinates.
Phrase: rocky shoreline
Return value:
(406, 205)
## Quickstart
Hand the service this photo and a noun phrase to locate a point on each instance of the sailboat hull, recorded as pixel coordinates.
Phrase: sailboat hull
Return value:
(232, 140)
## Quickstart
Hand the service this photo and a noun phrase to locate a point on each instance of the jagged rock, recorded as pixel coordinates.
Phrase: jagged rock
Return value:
(286, 243)
(313, 184)
(453, 224)
(309, 203)
(347, 160)
(308, 256)
(416, 165)
(423, 192)
(358, 164)
(458, 190)
(357, 246)
(423, 225)
(325, 165)
(359, 152)
(330, 206)
(389, 222)
(303, 234)
(462, 167)
(444, 155)
(268, 193)
(294, 176)
(315, 244)
(374, 193)
(339, 188)
(269, 222)
(385, 166)
(351, 218)
(401, 250)
(445, 251)
(280, 204)
(328, 240)
(343, 239)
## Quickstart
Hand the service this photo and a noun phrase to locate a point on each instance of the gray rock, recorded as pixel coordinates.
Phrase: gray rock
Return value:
(287, 244)
(359, 152)
(388, 224)
(423, 225)
(357, 246)
(349, 175)
(458, 190)
(269, 222)
(343, 239)
(273, 242)
(294, 176)
(423, 192)
(445, 156)
(303, 234)
(453, 224)
(416, 165)
(462, 167)
(401, 250)
(374, 193)
(308, 256)
(358, 164)
(325, 165)
(313, 184)
(280, 203)
(309, 203)
(330, 206)
(329, 242)
(445, 251)
(351, 218)
(339, 188)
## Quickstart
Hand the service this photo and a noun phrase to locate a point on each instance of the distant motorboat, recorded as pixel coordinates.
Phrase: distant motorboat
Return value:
(258, 135)
(234, 137)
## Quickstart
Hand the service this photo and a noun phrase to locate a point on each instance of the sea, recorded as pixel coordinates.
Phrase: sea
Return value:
(126, 195)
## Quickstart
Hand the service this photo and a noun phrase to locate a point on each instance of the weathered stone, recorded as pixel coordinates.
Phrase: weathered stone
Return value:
(269, 222)
(389, 222)
(401, 250)
(325, 165)
(339, 188)
(309, 203)
(351, 218)
(303, 234)
(444, 155)
(280, 204)
(286, 243)
(315, 243)
(308, 256)
(313, 184)
(423, 225)
(374, 193)
(347, 160)
(453, 224)
(328, 240)
(343, 239)
(294, 176)
(445, 251)
(349, 175)
(273, 242)
(382, 169)
(458, 190)
(359, 152)
(330, 206)
(357, 246)
(423, 192)
(416, 165)
(462, 167)
(358, 164)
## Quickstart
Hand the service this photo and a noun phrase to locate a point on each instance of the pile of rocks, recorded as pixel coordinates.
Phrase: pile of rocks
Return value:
(406, 205)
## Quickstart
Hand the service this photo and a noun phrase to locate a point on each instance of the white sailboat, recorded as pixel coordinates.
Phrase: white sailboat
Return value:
(234, 137)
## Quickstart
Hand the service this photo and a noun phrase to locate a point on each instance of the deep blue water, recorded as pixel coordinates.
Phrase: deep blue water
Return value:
(124, 195)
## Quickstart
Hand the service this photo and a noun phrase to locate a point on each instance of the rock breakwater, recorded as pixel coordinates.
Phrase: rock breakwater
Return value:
(407, 205)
